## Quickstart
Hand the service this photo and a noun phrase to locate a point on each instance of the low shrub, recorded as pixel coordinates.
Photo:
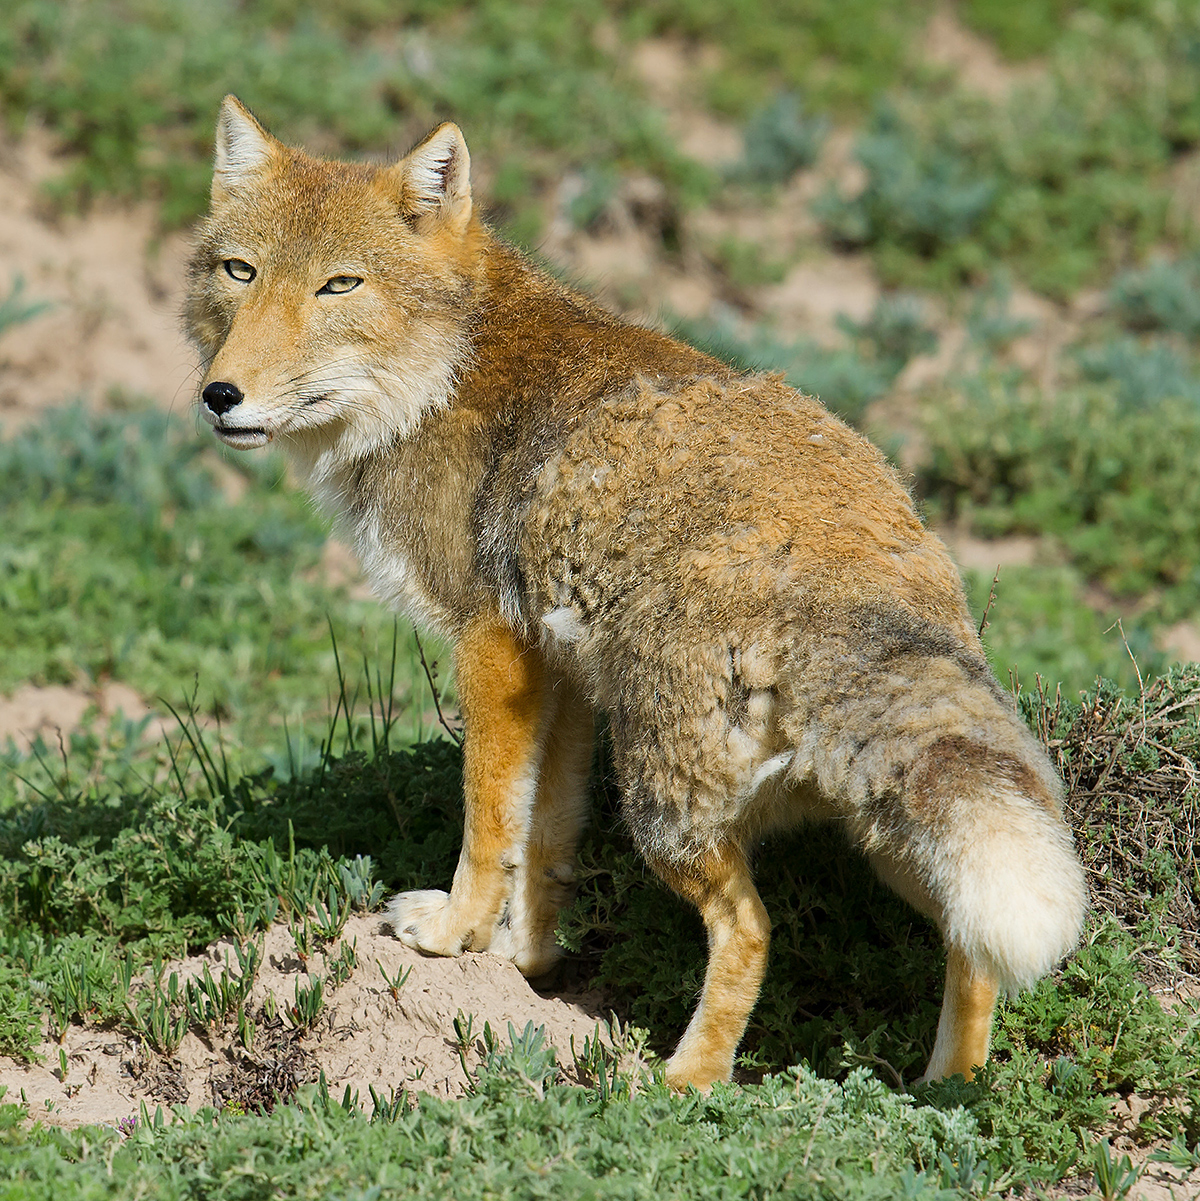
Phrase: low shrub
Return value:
(1141, 373)
(781, 139)
(1115, 486)
(1162, 296)
(846, 379)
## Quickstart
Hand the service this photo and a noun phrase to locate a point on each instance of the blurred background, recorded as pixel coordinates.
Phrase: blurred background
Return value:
(970, 228)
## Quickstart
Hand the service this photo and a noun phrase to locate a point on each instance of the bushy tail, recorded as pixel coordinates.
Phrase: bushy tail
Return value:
(959, 808)
(1011, 887)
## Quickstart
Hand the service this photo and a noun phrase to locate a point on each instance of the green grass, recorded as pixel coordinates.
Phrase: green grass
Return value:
(846, 378)
(132, 88)
(123, 559)
(1064, 182)
(1040, 624)
(798, 1136)
(842, 55)
(102, 873)
(1114, 485)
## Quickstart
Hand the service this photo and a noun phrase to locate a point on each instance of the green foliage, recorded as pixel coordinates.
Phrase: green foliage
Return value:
(20, 1015)
(133, 88)
(795, 1136)
(1114, 1177)
(1141, 374)
(137, 460)
(923, 196)
(308, 1004)
(1162, 296)
(122, 558)
(747, 264)
(1040, 624)
(159, 1020)
(211, 1001)
(852, 989)
(846, 379)
(780, 139)
(1061, 181)
(895, 332)
(1034, 26)
(14, 309)
(1065, 1050)
(1115, 487)
(840, 53)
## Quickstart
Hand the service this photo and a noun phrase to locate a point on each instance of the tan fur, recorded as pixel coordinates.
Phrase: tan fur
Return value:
(603, 518)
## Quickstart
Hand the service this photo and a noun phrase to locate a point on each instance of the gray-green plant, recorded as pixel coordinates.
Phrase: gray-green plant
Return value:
(16, 309)
(1164, 295)
(341, 966)
(160, 1016)
(1114, 1177)
(779, 139)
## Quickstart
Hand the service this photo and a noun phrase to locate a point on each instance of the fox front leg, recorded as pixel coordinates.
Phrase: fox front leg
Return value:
(504, 692)
(545, 875)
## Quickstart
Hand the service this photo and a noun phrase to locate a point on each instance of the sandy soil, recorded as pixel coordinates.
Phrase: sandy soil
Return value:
(114, 288)
(34, 712)
(365, 1037)
(972, 60)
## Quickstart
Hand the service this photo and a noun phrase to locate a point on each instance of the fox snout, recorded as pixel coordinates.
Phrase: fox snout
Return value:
(220, 397)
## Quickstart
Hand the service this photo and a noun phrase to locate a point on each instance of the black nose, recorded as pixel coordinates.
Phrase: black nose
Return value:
(221, 397)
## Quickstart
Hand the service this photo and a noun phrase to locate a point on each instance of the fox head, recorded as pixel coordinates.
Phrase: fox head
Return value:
(329, 300)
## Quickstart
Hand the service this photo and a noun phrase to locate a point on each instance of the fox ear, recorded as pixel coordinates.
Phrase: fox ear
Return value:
(436, 181)
(243, 147)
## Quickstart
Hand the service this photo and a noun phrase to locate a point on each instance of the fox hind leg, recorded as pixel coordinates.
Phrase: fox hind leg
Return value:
(739, 932)
(545, 874)
(504, 692)
(965, 1025)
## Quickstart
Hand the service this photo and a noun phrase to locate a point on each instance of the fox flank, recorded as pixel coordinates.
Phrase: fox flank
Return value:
(602, 518)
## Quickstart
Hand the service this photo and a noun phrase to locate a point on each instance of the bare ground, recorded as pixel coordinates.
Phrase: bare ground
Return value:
(365, 1037)
(114, 288)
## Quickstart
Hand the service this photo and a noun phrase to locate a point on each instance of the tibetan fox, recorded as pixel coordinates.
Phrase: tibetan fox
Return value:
(602, 518)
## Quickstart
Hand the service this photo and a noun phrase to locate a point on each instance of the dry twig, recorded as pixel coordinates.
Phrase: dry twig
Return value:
(456, 735)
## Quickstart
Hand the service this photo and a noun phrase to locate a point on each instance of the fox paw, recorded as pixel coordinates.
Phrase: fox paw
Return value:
(534, 953)
(425, 921)
(697, 1069)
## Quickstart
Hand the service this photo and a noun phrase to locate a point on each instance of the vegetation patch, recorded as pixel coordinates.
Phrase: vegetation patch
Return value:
(124, 558)
(851, 994)
(846, 378)
(1113, 484)
(1130, 765)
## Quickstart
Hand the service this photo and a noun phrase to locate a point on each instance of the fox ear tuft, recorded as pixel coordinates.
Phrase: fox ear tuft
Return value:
(436, 179)
(243, 147)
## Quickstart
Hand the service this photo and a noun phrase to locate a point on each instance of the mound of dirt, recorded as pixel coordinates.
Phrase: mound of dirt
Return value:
(365, 1037)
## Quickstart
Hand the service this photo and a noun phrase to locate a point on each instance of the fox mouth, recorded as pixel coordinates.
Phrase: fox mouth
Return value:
(242, 437)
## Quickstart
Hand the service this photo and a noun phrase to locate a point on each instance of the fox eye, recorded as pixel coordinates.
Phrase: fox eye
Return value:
(240, 270)
(339, 284)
